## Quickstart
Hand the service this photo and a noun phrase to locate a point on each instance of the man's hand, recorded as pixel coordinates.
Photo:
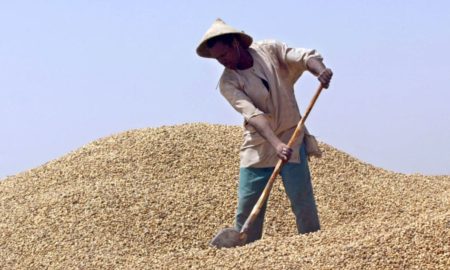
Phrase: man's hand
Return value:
(316, 67)
(284, 152)
(261, 125)
(325, 77)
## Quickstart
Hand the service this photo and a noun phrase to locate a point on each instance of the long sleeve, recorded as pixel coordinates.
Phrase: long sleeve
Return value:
(238, 99)
(296, 59)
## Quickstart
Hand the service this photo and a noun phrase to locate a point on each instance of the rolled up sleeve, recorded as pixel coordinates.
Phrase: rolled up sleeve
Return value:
(296, 58)
(299, 57)
(238, 99)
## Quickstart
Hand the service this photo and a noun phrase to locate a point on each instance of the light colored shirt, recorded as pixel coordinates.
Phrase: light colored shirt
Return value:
(280, 67)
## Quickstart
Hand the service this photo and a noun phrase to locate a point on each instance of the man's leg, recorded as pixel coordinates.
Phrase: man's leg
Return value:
(251, 184)
(297, 182)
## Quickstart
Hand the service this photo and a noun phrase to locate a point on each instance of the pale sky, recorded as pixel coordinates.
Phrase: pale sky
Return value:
(72, 72)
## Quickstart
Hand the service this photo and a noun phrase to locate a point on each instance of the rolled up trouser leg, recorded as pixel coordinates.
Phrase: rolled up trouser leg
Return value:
(297, 182)
(252, 182)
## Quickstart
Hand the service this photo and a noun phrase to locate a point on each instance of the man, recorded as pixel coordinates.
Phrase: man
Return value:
(258, 81)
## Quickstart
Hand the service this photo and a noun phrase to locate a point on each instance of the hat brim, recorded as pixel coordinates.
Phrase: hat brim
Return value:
(244, 39)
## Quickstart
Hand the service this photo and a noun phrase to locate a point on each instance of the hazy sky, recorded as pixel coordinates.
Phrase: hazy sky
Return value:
(72, 72)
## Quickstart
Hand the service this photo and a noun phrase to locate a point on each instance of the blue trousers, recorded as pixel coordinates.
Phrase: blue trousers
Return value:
(297, 183)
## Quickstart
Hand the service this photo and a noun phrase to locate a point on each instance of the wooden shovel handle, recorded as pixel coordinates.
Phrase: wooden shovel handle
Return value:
(265, 194)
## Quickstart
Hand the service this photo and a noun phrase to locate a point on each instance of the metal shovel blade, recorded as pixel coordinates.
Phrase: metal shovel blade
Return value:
(227, 238)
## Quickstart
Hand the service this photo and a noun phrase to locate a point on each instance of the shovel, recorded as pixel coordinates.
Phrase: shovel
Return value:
(230, 237)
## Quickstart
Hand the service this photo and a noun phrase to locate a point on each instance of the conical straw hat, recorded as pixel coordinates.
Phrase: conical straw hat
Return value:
(219, 28)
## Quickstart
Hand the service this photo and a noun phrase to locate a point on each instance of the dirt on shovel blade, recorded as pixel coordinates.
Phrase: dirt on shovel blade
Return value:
(227, 238)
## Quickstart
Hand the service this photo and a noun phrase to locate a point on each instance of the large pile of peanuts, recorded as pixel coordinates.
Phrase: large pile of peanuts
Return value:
(153, 199)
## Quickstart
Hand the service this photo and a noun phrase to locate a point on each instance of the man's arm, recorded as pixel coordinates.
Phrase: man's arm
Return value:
(316, 67)
(262, 126)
